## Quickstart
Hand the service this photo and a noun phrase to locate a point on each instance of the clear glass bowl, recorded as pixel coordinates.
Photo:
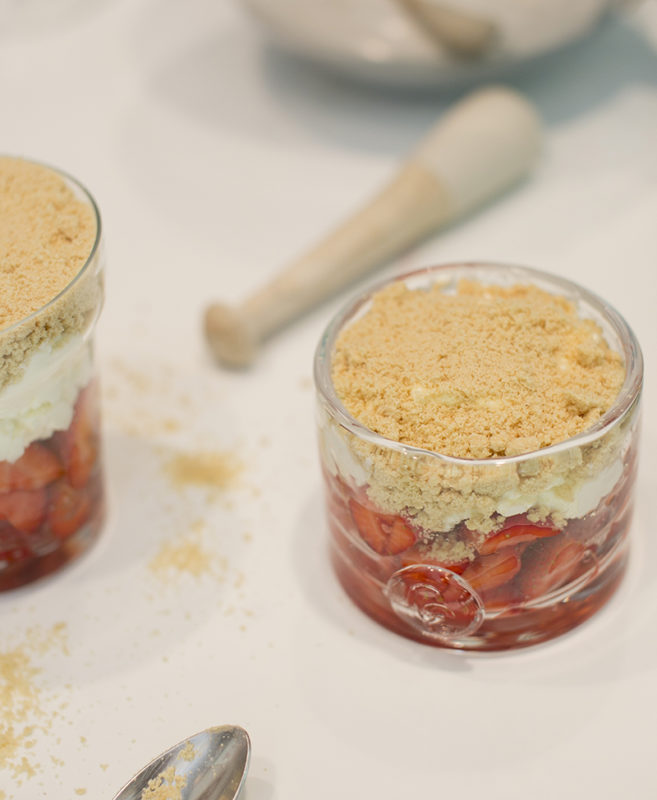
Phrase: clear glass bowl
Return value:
(524, 582)
(51, 481)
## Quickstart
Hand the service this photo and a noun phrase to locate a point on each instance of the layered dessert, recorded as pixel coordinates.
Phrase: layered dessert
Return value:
(51, 495)
(478, 441)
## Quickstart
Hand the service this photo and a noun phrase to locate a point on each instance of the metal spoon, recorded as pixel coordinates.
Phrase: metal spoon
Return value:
(210, 765)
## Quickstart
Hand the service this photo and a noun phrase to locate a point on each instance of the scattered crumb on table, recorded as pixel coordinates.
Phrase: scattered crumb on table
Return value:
(187, 555)
(23, 715)
(204, 469)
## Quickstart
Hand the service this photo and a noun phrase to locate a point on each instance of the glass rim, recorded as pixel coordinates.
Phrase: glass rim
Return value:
(628, 395)
(88, 197)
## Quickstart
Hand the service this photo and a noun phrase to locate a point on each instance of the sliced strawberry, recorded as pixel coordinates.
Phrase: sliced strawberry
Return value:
(36, 468)
(13, 548)
(620, 527)
(588, 528)
(548, 565)
(79, 446)
(386, 534)
(339, 511)
(488, 572)
(69, 509)
(24, 511)
(336, 487)
(513, 535)
(361, 559)
(336, 501)
(506, 596)
(5, 476)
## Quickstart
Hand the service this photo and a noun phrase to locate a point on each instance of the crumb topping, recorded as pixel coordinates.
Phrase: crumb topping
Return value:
(481, 372)
(484, 372)
(47, 234)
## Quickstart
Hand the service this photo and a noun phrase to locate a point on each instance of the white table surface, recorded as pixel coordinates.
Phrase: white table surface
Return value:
(214, 161)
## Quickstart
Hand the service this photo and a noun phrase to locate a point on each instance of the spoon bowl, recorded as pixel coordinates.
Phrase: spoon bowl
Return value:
(210, 765)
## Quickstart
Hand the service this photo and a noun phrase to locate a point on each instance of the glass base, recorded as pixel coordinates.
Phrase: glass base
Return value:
(36, 567)
(512, 629)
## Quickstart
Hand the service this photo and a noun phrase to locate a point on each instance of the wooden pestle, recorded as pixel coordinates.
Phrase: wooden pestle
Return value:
(480, 147)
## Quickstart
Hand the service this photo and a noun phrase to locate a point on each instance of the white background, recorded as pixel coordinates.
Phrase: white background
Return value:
(214, 161)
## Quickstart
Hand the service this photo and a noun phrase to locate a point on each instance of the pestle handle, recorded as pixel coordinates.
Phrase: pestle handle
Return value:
(480, 147)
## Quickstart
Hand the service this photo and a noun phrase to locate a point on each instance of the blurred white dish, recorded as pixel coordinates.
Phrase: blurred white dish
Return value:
(381, 41)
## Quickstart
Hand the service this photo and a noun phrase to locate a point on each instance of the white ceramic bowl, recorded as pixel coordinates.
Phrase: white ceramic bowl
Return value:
(380, 41)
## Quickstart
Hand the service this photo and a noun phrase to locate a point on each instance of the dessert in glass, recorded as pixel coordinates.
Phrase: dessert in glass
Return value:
(51, 293)
(478, 430)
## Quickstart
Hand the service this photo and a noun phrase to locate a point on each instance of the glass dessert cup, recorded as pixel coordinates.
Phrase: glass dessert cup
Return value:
(51, 482)
(402, 538)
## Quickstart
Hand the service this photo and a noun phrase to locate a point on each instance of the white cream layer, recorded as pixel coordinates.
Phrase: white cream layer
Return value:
(42, 401)
(569, 501)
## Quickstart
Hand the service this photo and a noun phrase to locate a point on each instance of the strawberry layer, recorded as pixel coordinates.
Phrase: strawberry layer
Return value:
(506, 572)
(51, 497)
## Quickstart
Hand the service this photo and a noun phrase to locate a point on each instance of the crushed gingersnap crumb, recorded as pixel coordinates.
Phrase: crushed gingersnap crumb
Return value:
(165, 786)
(187, 554)
(215, 470)
(47, 235)
(486, 371)
(22, 702)
(188, 752)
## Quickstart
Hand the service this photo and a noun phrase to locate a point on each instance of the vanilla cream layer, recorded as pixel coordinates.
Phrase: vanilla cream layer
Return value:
(42, 401)
(569, 499)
